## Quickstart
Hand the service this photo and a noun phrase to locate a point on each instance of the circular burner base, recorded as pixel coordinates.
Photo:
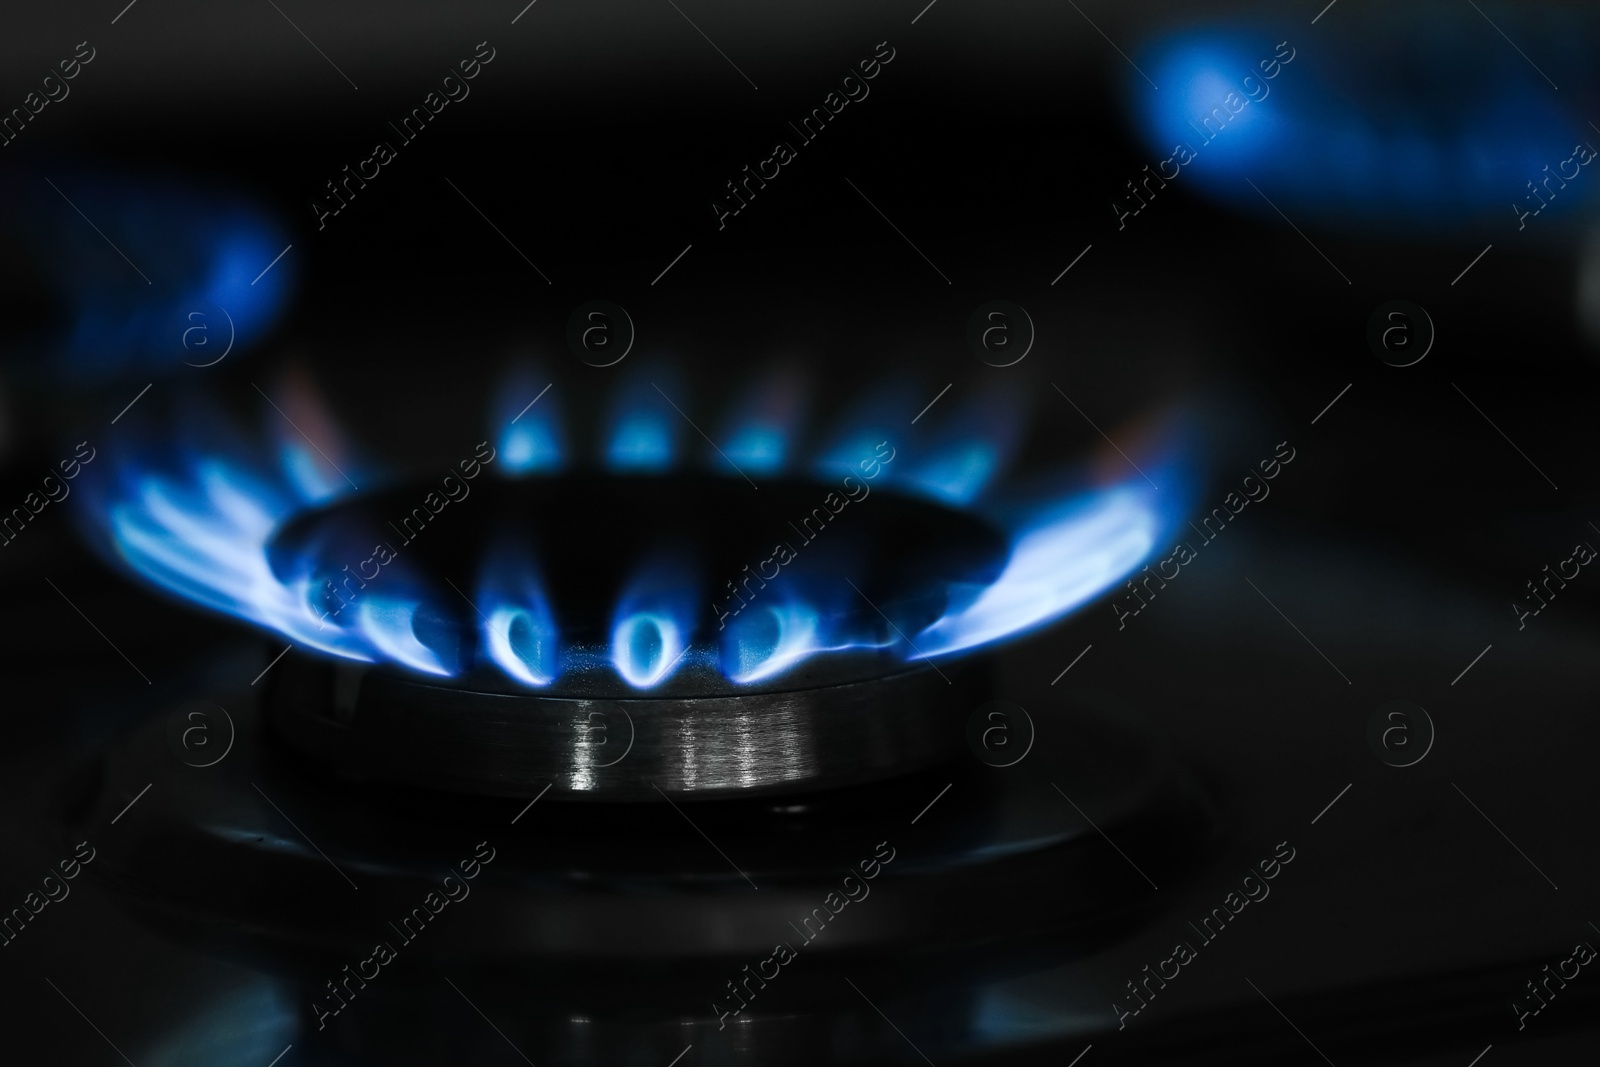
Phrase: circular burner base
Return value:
(258, 854)
(378, 724)
(609, 932)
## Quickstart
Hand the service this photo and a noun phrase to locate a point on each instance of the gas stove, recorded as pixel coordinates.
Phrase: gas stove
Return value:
(484, 587)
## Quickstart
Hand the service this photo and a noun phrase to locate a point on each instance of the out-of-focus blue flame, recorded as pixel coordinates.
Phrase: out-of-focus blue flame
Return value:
(758, 447)
(531, 440)
(1422, 120)
(757, 437)
(201, 531)
(532, 445)
(197, 254)
(518, 629)
(198, 522)
(968, 450)
(959, 473)
(856, 438)
(643, 434)
(654, 621)
(642, 441)
(307, 473)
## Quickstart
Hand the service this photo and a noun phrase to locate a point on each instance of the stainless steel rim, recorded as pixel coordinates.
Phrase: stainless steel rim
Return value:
(379, 724)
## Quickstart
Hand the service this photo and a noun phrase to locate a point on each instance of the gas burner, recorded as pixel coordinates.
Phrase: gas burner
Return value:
(525, 571)
(801, 657)
(628, 701)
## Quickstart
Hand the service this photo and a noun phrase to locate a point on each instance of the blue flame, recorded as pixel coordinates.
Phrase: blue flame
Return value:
(308, 473)
(654, 622)
(856, 440)
(201, 531)
(197, 254)
(645, 646)
(531, 446)
(1424, 121)
(958, 474)
(643, 441)
(757, 438)
(518, 629)
(200, 519)
(969, 449)
(531, 440)
(197, 521)
(758, 447)
(643, 435)
(771, 639)
(522, 642)
(1063, 555)
(390, 625)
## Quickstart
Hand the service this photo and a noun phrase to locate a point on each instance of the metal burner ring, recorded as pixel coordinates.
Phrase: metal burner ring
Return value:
(379, 724)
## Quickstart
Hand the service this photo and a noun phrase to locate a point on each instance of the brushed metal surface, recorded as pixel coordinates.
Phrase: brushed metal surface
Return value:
(377, 724)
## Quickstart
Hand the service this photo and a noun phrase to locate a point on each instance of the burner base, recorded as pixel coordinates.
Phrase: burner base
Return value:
(959, 879)
(608, 882)
(375, 724)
